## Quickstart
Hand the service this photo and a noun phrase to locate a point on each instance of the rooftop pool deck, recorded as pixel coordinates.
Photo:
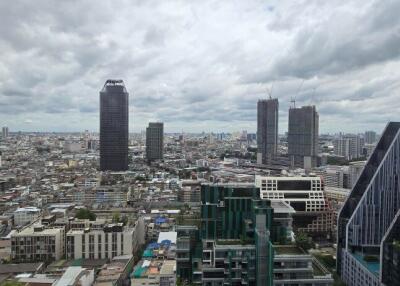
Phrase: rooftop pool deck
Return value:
(373, 267)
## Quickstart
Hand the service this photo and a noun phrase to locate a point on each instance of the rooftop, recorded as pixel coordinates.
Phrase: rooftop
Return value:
(288, 250)
(169, 267)
(169, 235)
(282, 207)
(28, 209)
(32, 230)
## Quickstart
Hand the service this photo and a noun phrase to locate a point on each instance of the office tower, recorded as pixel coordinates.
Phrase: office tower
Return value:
(233, 245)
(369, 217)
(267, 130)
(114, 126)
(349, 146)
(370, 137)
(155, 141)
(306, 196)
(303, 136)
(5, 132)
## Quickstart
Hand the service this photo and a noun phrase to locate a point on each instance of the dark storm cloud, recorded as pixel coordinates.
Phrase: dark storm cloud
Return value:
(199, 65)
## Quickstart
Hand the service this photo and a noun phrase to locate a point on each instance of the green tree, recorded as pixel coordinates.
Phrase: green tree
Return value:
(85, 214)
(303, 241)
(11, 283)
(124, 219)
(116, 218)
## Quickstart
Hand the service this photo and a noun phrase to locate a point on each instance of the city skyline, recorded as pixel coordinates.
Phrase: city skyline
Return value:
(196, 66)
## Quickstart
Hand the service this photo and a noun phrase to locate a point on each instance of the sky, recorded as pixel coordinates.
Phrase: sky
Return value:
(199, 65)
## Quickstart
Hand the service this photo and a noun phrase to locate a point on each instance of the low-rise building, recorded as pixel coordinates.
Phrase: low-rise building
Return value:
(306, 195)
(23, 216)
(100, 240)
(293, 266)
(37, 243)
(76, 276)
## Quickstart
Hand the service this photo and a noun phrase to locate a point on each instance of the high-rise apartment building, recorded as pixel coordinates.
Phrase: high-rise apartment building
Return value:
(4, 132)
(303, 136)
(267, 130)
(355, 169)
(155, 141)
(114, 126)
(370, 137)
(349, 146)
(367, 223)
(335, 176)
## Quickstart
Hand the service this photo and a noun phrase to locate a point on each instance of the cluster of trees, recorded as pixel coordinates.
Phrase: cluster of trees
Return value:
(342, 161)
(85, 214)
(117, 218)
(304, 241)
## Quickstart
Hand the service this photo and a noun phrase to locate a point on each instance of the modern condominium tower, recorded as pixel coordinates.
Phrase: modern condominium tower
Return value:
(114, 124)
(267, 130)
(233, 244)
(368, 224)
(303, 136)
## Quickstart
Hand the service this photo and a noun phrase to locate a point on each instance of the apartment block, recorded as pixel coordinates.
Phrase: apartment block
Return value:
(100, 242)
(37, 243)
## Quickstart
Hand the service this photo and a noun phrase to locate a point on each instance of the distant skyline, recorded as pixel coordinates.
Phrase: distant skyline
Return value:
(199, 65)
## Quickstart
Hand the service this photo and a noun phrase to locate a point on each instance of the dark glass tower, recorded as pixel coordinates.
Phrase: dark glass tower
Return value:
(267, 130)
(155, 141)
(303, 136)
(114, 132)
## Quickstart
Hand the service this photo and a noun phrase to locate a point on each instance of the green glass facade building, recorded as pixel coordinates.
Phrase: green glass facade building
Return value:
(232, 245)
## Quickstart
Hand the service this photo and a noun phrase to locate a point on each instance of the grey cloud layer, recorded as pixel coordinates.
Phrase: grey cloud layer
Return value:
(199, 65)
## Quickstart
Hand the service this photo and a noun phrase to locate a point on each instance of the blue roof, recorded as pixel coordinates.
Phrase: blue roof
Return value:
(161, 220)
(153, 245)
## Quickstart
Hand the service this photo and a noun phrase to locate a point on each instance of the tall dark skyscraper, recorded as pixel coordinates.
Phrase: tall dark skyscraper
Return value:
(267, 130)
(303, 136)
(155, 141)
(114, 126)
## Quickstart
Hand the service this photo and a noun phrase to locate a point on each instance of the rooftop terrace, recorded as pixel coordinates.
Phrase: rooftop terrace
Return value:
(288, 250)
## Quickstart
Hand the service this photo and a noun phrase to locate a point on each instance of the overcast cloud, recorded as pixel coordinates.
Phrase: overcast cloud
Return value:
(199, 65)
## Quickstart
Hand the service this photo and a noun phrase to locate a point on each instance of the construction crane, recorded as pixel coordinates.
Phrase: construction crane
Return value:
(269, 90)
(293, 99)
